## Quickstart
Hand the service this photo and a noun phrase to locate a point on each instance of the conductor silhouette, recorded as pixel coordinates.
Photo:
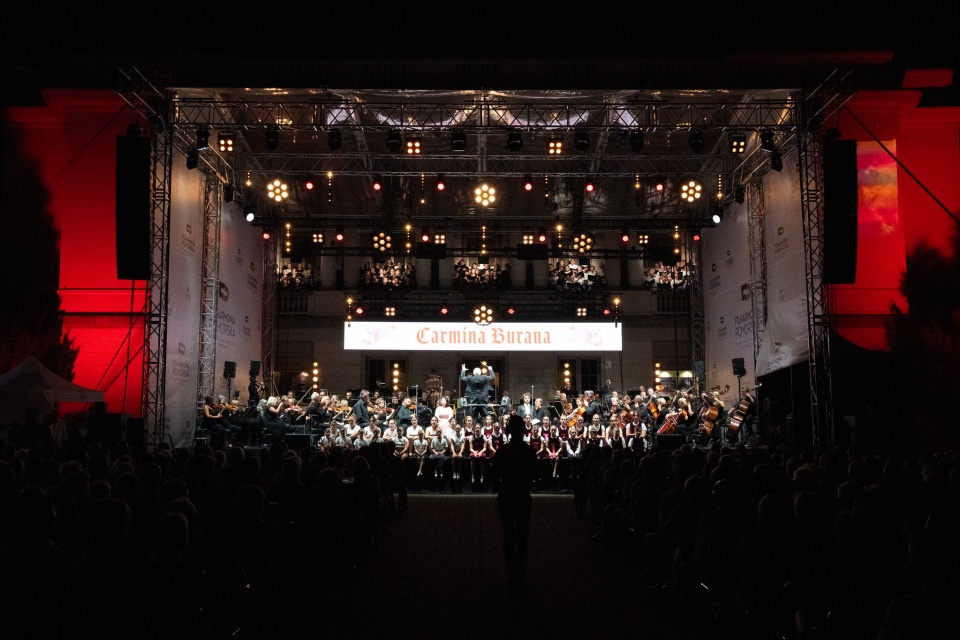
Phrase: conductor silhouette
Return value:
(478, 388)
(514, 467)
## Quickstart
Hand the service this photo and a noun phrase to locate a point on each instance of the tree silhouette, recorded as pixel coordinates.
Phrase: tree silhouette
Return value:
(927, 341)
(30, 320)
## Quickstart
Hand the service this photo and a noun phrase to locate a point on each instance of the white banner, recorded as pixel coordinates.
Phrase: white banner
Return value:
(460, 336)
(183, 299)
(728, 318)
(785, 337)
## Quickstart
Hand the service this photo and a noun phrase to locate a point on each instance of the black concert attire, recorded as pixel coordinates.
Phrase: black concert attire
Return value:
(478, 390)
(254, 390)
(403, 415)
(515, 469)
(590, 409)
(317, 415)
(360, 411)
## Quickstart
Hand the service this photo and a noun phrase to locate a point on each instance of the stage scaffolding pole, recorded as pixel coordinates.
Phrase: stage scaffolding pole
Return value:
(209, 293)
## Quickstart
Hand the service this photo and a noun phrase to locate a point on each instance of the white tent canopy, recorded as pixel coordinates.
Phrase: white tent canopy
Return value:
(32, 385)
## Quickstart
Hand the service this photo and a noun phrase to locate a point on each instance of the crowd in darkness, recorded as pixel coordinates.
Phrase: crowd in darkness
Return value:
(788, 544)
(180, 543)
(662, 276)
(186, 542)
(482, 275)
(296, 276)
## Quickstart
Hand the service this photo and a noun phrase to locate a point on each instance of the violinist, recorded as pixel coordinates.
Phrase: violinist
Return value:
(590, 406)
(215, 423)
(361, 409)
(317, 412)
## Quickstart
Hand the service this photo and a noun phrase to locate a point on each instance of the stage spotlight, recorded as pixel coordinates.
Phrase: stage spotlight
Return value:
(225, 141)
(625, 237)
(636, 141)
(483, 315)
(271, 139)
(382, 242)
(485, 195)
(555, 145)
(444, 310)
(642, 239)
(425, 235)
(394, 141)
(203, 139)
(766, 140)
(277, 190)
(334, 139)
(514, 141)
(193, 158)
(389, 311)
(439, 237)
(441, 183)
(377, 183)
(318, 237)
(541, 235)
(249, 213)
(589, 185)
(738, 142)
(527, 238)
(776, 161)
(413, 145)
(339, 236)
(581, 140)
(228, 193)
(458, 141)
(309, 185)
(695, 141)
(266, 234)
(582, 243)
(527, 183)
(659, 185)
(691, 190)
(739, 194)
(717, 215)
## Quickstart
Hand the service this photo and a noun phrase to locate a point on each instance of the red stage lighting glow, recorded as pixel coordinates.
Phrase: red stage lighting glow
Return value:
(266, 235)
(377, 185)
(359, 311)
(309, 185)
(444, 310)
(696, 237)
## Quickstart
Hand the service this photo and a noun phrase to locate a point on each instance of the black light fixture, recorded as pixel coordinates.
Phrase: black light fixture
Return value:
(695, 141)
(738, 143)
(334, 139)
(739, 194)
(271, 138)
(514, 141)
(636, 141)
(581, 140)
(458, 140)
(776, 161)
(193, 158)
(203, 138)
(228, 193)
(766, 140)
(394, 141)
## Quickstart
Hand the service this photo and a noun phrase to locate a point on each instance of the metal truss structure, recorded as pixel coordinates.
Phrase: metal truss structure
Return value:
(210, 270)
(758, 266)
(149, 102)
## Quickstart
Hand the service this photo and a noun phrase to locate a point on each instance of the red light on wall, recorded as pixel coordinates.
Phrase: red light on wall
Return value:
(377, 184)
(358, 311)
(339, 236)
(589, 186)
(527, 183)
(625, 237)
(308, 185)
(696, 237)
(606, 312)
(425, 236)
(266, 235)
(441, 183)
(444, 310)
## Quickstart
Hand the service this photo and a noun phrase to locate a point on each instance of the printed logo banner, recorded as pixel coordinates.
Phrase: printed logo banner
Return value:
(461, 336)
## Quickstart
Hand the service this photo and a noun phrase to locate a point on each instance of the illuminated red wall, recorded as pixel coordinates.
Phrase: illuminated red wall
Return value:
(925, 141)
(73, 141)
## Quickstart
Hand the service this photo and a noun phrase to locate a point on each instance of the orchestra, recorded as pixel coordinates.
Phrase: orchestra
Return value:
(440, 432)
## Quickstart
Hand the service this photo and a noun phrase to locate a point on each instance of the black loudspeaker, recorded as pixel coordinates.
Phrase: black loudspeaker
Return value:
(106, 429)
(133, 208)
(738, 368)
(297, 440)
(839, 211)
(254, 368)
(229, 369)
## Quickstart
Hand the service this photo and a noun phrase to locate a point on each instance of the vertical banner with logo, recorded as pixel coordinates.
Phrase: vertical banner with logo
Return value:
(728, 321)
(183, 299)
(784, 341)
(239, 302)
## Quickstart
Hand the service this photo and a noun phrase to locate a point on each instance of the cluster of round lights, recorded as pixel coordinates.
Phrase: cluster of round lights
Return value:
(382, 241)
(483, 315)
(277, 190)
(582, 243)
(566, 374)
(413, 146)
(396, 376)
(691, 190)
(316, 373)
(485, 195)
(581, 312)
(390, 311)
(555, 146)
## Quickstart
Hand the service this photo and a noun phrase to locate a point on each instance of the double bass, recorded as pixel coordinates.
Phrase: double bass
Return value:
(738, 415)
(708, 416)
